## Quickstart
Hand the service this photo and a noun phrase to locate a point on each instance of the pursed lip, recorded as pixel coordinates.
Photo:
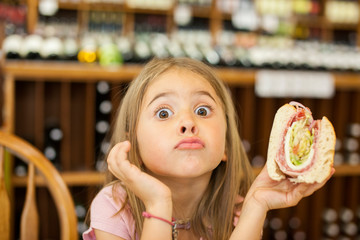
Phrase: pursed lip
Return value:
(190, 143)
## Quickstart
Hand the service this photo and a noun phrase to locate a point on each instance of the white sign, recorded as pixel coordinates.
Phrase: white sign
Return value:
(306, 84)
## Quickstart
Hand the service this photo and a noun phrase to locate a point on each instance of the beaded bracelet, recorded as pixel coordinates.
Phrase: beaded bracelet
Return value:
(149, 215)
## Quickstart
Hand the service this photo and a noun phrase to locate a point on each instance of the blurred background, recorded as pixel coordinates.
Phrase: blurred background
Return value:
(65, 65)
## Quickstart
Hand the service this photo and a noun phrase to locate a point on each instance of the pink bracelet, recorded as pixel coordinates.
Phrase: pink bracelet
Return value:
(149, 215)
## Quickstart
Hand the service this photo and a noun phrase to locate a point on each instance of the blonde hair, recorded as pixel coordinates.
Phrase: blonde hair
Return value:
(229, 179)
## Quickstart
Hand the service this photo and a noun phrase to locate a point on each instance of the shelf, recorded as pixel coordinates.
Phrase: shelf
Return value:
(74, 71)
(311, 21)
(201, 11)
(343, 26)
(92, 178)
(103, 7)
(86, 178)
(68, 5)
(68, 71)
(107, 6)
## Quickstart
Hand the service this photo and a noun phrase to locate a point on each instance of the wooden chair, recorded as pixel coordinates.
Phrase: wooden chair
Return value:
(29, 225)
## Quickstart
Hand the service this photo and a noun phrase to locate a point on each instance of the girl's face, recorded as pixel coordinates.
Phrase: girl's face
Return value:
(182, 127)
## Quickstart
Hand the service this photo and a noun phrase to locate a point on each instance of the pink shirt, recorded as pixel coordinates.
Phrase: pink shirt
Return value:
(105, 217)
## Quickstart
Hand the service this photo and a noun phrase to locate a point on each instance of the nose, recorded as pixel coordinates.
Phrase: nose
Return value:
(188, 126)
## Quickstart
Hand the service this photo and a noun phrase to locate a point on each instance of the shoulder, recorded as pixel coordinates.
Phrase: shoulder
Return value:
(112, 195)
(105, 212)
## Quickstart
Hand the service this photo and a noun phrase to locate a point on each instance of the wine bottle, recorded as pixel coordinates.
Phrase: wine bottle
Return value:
(105, 107)
(71, 49)
(102, 126)
(227, 57)
(247, 145)
(354, 130)
(338, 145)
(351, 144)
(331, 229)
(20, 169)
(350, 229)
(52, 49)
(80, 211)
(109, 54)
(53, 138)
(81, 227)
(353, 159)
(338, 159)
(125, 47)
(103, 87)
(51, 153)
(174, 48)
(210, 55)
(276, 223)
(329, 215)
(31, 47)
(299, 235)
(280, 235)
(346, 215)
(242, 57)
(142, 50)
(87, 53)
(258, 161)
(158, 44)
(294, 223)
(55, 134)
(192, 51)
(12, 45)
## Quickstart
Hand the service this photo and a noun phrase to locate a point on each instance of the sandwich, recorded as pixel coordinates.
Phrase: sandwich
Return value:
(300, 148)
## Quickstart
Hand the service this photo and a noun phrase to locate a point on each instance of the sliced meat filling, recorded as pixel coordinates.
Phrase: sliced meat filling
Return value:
(297, 150)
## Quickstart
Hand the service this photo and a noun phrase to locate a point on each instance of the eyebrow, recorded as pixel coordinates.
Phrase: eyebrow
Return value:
(164, 94)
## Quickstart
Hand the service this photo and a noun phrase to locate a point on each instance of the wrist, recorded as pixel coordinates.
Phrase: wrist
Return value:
(253, 214)
(255, 208)
(254, 205)
(161, 209)
(255, 201)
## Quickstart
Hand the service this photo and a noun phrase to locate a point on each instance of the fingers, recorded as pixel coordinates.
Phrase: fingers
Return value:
(120, 149)
(119, 164)
(304, 190)
(239, 199)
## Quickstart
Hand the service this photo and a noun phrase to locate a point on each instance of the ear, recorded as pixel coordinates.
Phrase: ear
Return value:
(224, 158)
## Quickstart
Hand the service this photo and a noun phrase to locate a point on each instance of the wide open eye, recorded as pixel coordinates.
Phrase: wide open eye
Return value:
(203, 111)
(164, 113)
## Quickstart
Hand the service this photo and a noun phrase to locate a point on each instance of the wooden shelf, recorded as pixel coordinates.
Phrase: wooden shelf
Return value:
(68, 71)
(74, 71)
(201, 11)
(68, 6)
(78, 178)
(93, 178)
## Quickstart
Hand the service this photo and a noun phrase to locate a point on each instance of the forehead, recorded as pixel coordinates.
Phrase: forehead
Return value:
(179, 79)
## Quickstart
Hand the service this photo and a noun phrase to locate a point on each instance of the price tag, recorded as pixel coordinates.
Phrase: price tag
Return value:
(294, 84)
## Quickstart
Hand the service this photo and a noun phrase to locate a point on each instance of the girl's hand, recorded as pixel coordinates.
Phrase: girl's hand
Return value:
(154, 194)
(266, 194)
(272, 194)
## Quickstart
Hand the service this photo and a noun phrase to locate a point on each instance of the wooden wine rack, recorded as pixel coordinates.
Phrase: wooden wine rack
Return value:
(72, 101)
(34, 91)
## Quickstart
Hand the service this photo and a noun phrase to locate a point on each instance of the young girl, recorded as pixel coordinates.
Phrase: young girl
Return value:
(179, 168)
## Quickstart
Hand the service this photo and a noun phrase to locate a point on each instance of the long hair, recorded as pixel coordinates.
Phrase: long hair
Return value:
(229, 179)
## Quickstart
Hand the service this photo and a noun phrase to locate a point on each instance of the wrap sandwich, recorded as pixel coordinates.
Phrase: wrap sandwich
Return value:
(300, 148)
